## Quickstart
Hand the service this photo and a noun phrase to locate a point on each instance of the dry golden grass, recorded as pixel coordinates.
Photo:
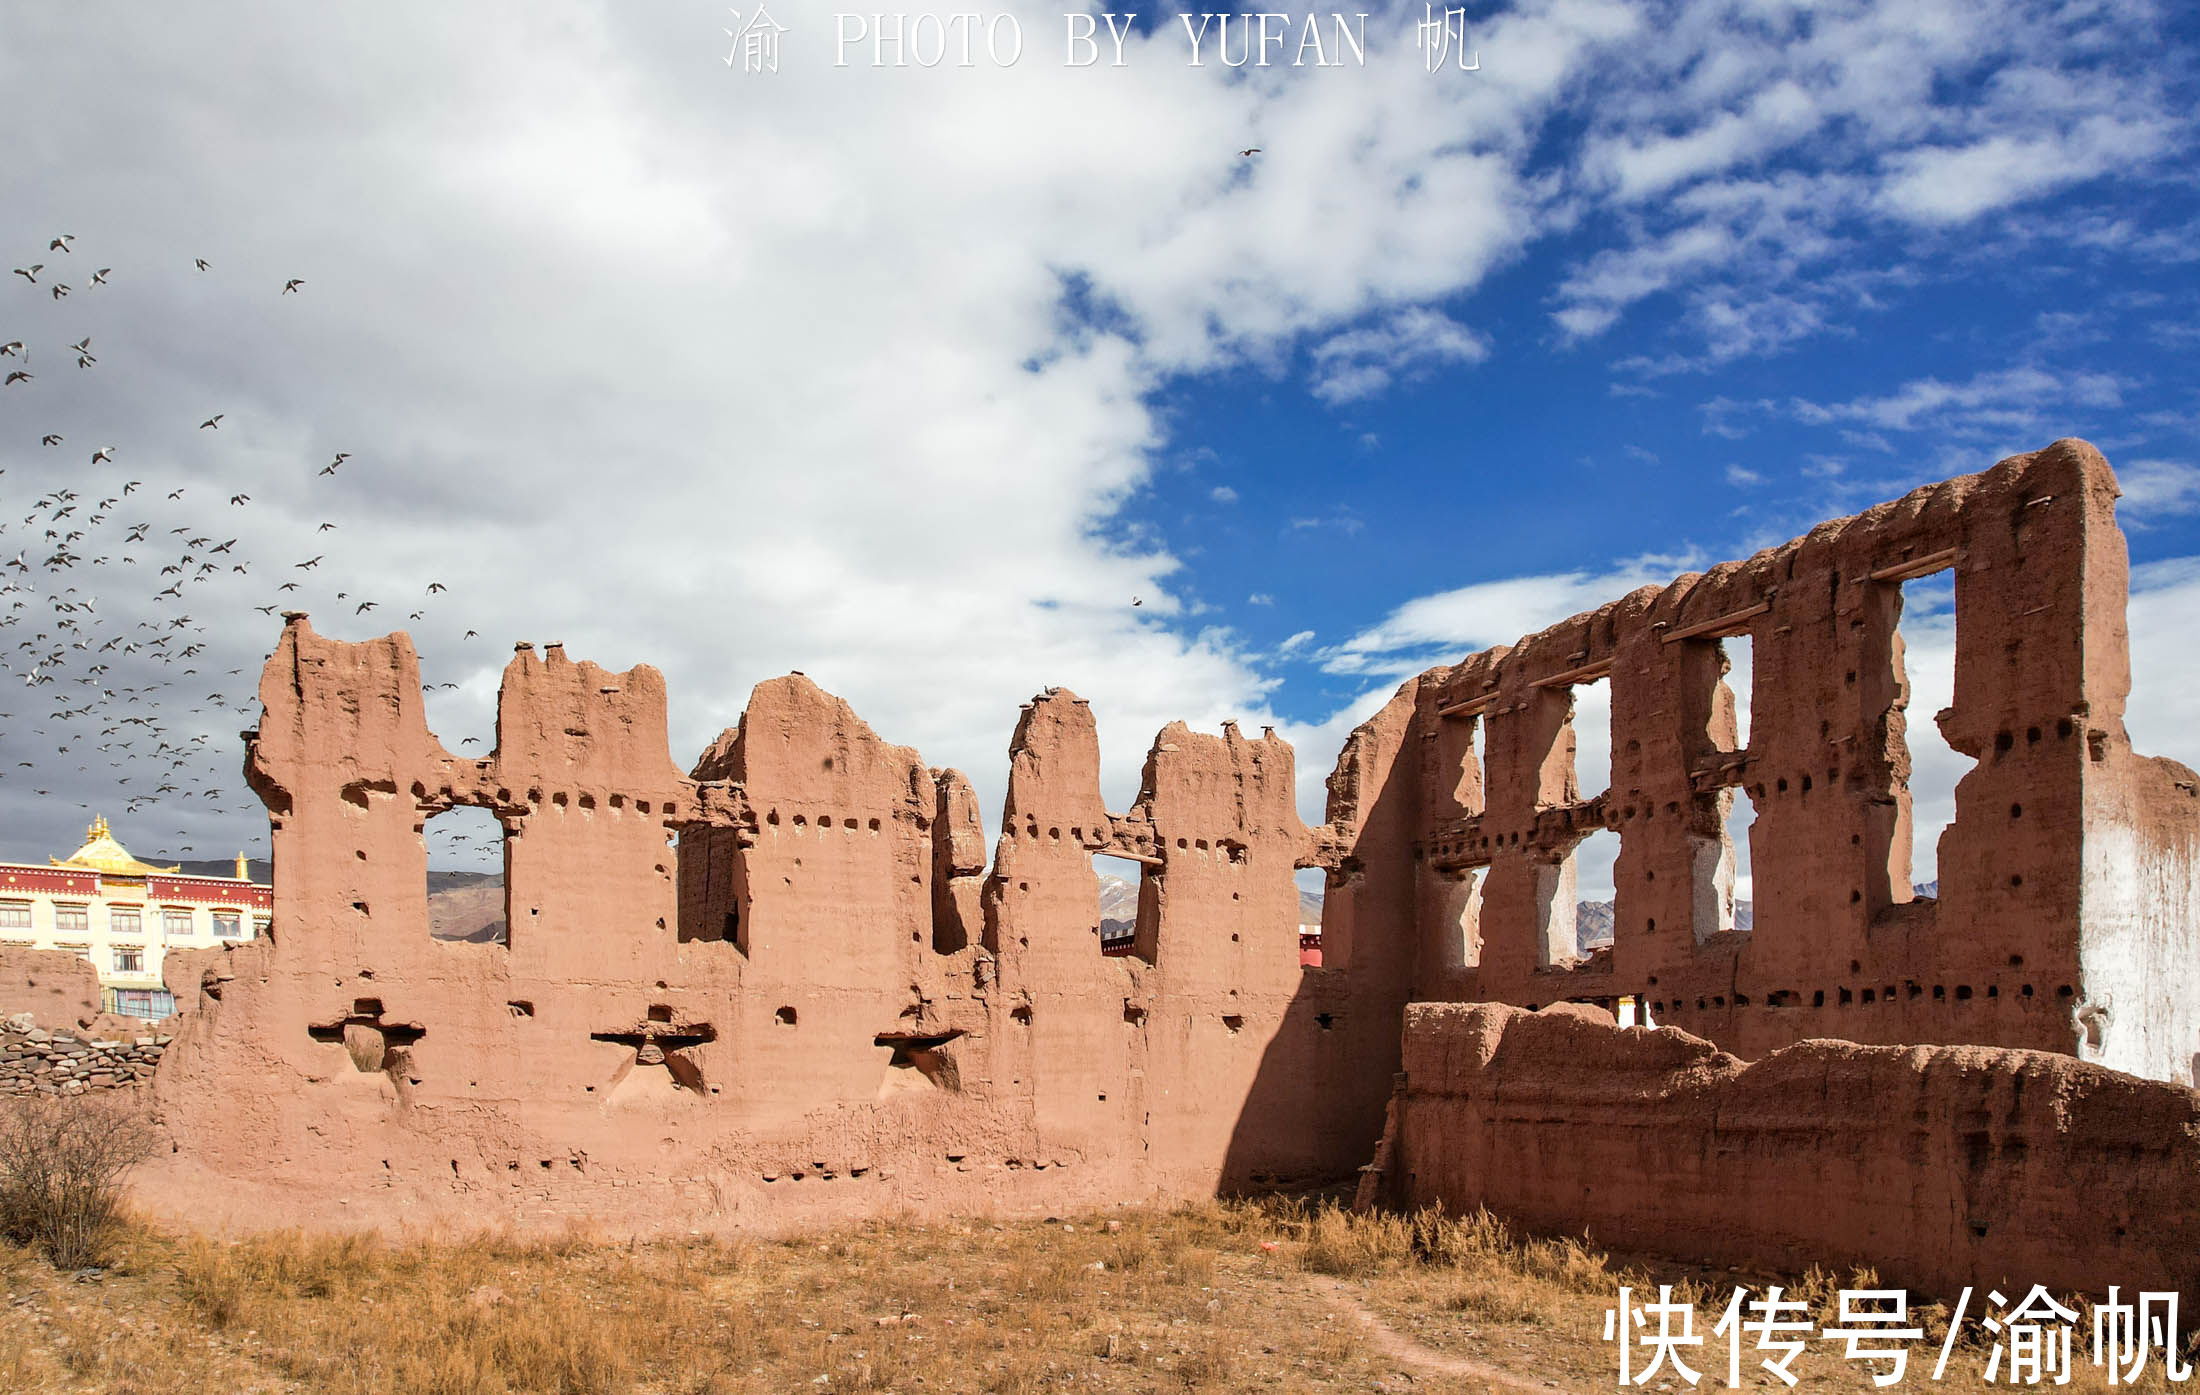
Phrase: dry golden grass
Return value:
(1267, 1296)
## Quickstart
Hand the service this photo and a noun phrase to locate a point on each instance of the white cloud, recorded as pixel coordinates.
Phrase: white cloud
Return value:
(1294, 644)
(1998, 400)
(1954, 184)
(1223, 494)
(1363, 362)
(1739, 162)
(2163, 713)
(1452, 624)
(728, 373)
(1741, 477)
(2157, 487)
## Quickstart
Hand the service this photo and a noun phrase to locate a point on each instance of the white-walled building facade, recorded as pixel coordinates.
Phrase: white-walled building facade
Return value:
(124, 915)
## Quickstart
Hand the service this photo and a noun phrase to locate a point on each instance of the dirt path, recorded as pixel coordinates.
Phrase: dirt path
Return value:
(1414, 1355)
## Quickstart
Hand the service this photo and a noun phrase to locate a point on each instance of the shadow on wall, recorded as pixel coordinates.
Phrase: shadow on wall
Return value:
(1315, 1109)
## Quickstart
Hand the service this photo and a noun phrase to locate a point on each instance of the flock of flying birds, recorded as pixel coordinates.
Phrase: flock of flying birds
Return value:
(105, 599)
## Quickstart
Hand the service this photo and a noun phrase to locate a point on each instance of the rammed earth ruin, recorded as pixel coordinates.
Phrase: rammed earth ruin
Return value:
(790, 984)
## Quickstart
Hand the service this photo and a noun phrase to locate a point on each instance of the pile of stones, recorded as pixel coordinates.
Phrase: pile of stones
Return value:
(33, 1059)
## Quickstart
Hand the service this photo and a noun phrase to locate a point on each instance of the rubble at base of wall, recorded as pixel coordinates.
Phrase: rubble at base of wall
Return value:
(36, 1061)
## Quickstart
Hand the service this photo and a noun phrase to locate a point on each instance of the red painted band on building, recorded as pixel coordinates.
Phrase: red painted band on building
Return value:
(20, 877)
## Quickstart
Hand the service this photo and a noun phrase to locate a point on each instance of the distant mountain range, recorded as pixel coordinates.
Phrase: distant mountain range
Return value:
(258, 869)
(1593, 919)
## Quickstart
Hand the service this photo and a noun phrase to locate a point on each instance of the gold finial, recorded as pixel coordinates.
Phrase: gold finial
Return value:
(98, 829)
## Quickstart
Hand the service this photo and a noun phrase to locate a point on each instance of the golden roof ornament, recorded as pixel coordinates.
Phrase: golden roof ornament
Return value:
(102, 854)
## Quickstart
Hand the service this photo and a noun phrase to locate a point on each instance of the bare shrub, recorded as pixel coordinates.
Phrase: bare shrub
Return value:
(61, 1168)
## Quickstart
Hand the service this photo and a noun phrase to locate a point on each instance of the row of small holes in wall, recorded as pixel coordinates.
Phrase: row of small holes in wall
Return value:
(818, 1170)
(825, 1174)
(1237, 852)
(824, 822)
(1788, 997)
(577, 1161)
(588, 801)
(2006, 741)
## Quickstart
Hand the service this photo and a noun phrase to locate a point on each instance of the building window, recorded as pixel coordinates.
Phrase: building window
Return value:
(15, 915)
(129, 959)
(259, 925)
(149, 1003)
(124, 920)
(227, 925)
(67, 918)
(175, 924)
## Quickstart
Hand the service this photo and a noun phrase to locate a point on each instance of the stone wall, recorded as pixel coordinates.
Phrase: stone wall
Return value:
(1938, 1166)
(2065, 918)
(34, 1060)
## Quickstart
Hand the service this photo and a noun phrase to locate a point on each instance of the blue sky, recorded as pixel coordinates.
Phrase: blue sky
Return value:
(914, 379)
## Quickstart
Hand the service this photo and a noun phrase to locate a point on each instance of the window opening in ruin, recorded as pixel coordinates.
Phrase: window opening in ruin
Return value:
(468, 899)
(1592, 728)
(1312, 885)
(1121, 884)
(1574, 900)
(1462, 918)
(1724, 898)
(1926, 650)
(711, 881)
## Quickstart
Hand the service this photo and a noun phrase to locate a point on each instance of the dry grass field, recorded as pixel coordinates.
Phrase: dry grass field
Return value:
(1256, 1296)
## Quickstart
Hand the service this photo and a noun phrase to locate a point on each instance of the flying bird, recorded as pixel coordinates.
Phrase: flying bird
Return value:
(292, 285)
(18, 376)
(1136, 601)
(213, 423)
(341, 457)
(105, 455)
(240, 498)
(435, 586)
(1249, 152)
(13, 346)
(60, 290)
(309, 564)
(99, 277)
(61, 243)
(200, 263)
(327, 528)
(30, 273)
(49, 439)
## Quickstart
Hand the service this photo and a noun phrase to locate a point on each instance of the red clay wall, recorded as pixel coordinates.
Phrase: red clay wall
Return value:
(789, 983)
(1938, 1166)
(2066, 918)
(787, 986)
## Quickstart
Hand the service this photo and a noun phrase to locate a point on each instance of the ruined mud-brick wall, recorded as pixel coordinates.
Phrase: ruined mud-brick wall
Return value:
(788, 985)
(2067, 917)
(1938, 1167)
(57, 986)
